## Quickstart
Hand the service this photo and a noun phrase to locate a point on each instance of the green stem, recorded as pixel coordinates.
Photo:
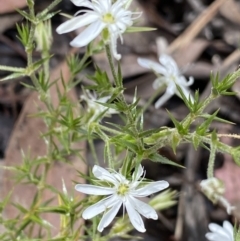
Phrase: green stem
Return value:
(211, 162)
(109, 130)
(111, 63)
(50, 7)
(93, 150)
(12, 69)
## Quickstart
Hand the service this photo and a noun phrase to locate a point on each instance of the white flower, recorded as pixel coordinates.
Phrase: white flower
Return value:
(219, 233)
(107, 17)
(170, 76)
(214, 189)
(81, 3)
(121, 192)
(95, 108)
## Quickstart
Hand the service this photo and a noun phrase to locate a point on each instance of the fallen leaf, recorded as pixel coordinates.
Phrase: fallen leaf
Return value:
(230, 10)
(11, 5)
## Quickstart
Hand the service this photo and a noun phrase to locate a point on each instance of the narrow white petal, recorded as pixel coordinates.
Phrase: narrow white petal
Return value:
(82, 3)
(163, 99)
(190, 81)
(118, 4)
(105, 5)
(228, 227)
(149, 64)
(76, 22)
(215, 228)
(216, 237)
(109, 216)
(94, 190)
(103, 174)
(88, 34)
(120, 177)
(169, 63)
(134, 217)
(104, 99)
(151, 188)
(143, 208)
(113, 45)
(122, 26)
(100, 207)
(137, 173)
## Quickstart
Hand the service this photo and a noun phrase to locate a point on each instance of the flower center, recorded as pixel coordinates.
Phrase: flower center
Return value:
(108, 18)
(173, 77)
(122, 189)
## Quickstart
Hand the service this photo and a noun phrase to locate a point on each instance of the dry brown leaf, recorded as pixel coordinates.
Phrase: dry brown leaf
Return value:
(230, 174)
(8, 21)
(11, 5)
(230, 10)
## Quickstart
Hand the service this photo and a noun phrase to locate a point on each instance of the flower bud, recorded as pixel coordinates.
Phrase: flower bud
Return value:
(164, 200)
(43, 36)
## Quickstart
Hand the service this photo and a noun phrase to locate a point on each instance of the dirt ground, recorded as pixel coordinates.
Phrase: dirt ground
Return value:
(203, 36)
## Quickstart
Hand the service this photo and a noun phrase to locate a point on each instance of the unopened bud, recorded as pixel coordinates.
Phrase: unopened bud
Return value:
(43, 36)
(164, 200)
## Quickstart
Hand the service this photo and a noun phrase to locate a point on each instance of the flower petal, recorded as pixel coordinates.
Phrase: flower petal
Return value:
(109, 216)
(76, 22)
(82, 3)
(103, 174)
(88, 34)
(215, 228)
(143, 208)
(100, 207)
(134, 217)
(113, 46)
(217, 237)
(228, 227)
(164, 98)
(151, 188)
(169, 63)
(149, 64)
(94, 190)
(137, 173)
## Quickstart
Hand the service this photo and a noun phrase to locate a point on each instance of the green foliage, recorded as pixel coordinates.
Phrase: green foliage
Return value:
(127, 143)
(236, 233)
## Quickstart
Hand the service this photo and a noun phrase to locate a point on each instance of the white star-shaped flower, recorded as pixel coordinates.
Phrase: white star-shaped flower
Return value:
(108, 18)
(219, 233)
(95, 108)
(121, 191)
(168, 76)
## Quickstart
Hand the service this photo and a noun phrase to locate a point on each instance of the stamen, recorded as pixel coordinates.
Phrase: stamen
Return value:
(108, 18)
(122, 189)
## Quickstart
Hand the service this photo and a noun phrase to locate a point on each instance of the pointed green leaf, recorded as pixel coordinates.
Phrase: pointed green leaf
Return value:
(161, 159)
